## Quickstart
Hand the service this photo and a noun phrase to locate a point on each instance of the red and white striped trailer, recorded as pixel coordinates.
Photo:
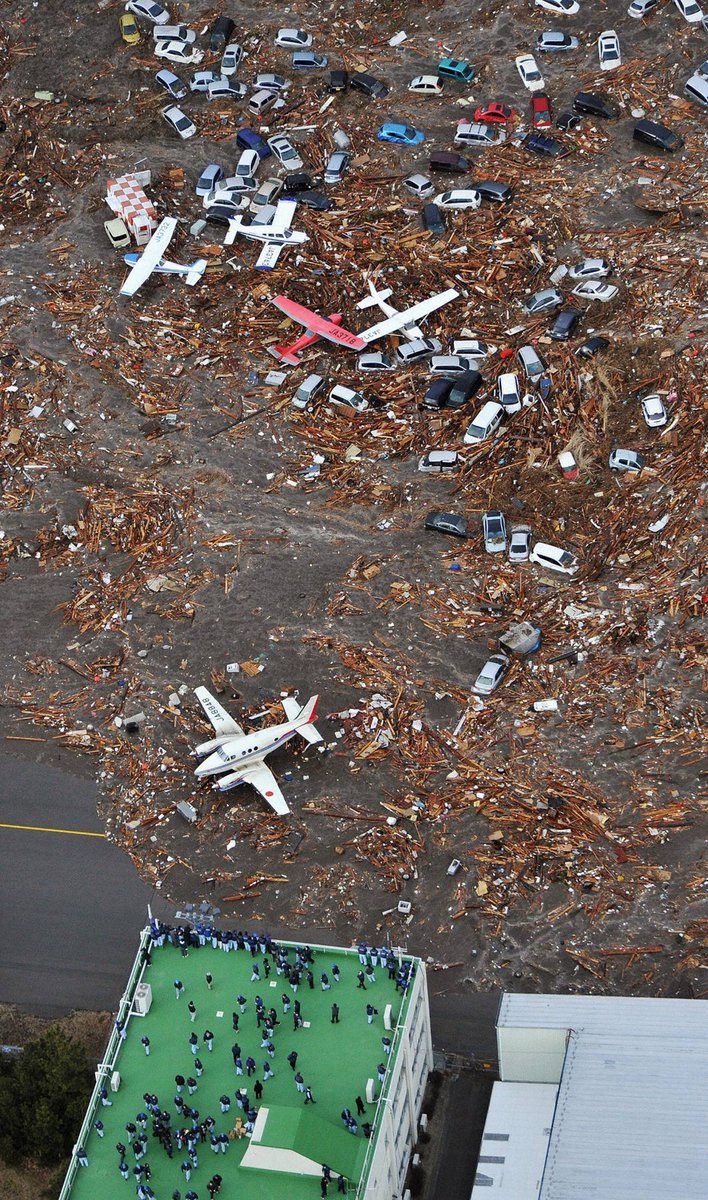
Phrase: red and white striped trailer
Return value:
(127, 199)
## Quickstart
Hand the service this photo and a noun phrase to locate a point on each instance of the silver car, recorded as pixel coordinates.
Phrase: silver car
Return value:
(520, 543)
(543, 301)
(491, 675)
(336, 166)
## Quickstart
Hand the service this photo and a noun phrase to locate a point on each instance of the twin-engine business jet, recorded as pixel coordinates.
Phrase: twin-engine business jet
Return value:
(241, 755)
(151, 259)
(329, 327)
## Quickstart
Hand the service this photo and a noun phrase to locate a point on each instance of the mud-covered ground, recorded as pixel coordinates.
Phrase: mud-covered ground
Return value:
(169, 530)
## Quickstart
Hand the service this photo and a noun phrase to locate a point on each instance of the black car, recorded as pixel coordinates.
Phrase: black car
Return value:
(362, 82)
(338, 81)
(658, 136)
(221, 214)
(594, 345)
(492, 189)
(542, 143)
(444, 522)
(567, 120)
(447, 160)
(221, 32)
(565, 324)
(437, 394)
(314, 199)
(432, 219)
(595, 105)
(465, 387)
(297, 181)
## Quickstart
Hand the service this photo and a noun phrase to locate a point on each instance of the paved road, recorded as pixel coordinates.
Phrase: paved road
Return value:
(71, 906)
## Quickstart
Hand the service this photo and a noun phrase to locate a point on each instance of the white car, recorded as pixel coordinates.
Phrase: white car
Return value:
(625, 460)
(653, 411)
(608, 50)
(553, 558)
(200, 80)
(449, 364)
(346, 397)
(285, 152)
(174, 33)
(531, 77)
(225, 89)
(293, 39)
(590, 268)
(458, 198)
(419, 185)
(179, 121)
(439, 462)
(491, 675)
(509, 393)
(231, 58)
(426, 85)
(178, 52)
(475, 133)
(229, 191)
(247, 167)
(374, 360)
(595, 290)
(690, 11)
(639, 8)
(472, 348)
(209, 179)
(268, 81)
(520, 543)
(564, 8)
(417, 349)
(148, 11)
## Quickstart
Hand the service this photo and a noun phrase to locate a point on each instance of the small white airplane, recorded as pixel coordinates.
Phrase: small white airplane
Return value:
(325, 327)
(276, 235)
(150, 257)
(242, 755)
(410, 330)
(192, 271)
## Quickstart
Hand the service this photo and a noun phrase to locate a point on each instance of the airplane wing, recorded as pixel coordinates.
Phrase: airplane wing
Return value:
(317, 324)
(422, 309)
(268, 256)
(263, 780)
(283, 216)
(150, 257)
(220, 719)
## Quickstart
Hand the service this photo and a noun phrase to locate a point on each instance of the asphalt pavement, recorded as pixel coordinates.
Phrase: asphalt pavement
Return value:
(71, 904)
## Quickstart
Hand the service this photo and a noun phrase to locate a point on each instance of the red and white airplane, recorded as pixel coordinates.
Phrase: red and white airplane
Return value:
(242, 755)
(331, 329)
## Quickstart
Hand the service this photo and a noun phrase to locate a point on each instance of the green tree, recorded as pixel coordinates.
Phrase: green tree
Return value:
(43, 1097)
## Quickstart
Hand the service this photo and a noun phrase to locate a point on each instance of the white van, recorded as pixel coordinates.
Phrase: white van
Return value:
(307, 389)
(484, 424)
(261, 102)
(412, 352)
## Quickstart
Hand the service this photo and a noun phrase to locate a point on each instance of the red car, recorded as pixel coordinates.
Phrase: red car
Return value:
(540, 111)
(494, 112)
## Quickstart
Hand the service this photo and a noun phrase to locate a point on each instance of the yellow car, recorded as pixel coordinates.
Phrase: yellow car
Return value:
(128, 29)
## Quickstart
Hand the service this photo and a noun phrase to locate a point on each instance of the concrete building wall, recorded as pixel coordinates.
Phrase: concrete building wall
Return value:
(396, 1130)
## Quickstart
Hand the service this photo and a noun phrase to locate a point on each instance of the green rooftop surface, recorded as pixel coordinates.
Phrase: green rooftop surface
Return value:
(335, 1060)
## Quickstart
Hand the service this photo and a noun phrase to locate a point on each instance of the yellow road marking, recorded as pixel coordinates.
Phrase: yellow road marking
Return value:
(47, 829)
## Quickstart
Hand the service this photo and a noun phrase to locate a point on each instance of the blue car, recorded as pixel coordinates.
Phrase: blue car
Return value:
(402, 135)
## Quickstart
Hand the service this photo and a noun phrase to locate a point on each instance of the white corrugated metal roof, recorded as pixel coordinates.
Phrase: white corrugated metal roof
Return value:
(605, 1014)
(632, 1112)
(515, 1141)
(631, 1120)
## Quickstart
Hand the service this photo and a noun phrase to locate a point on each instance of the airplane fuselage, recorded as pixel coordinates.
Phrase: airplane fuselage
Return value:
(234, 752)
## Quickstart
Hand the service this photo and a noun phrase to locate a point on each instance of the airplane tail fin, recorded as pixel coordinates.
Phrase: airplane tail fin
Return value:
(195, 272)
(375, 297)
(284, 354)
(307, 715)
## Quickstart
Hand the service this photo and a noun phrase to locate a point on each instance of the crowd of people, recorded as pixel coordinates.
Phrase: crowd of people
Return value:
(189, 1134)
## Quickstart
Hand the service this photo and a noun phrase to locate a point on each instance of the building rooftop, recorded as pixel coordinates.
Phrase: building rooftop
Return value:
(290, 1137)
(631, 1117)
(515, 1141)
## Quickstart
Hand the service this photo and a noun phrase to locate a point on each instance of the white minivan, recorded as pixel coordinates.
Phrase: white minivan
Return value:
(508, 392)
(484, 424)
(307, 389)
(346, 397)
